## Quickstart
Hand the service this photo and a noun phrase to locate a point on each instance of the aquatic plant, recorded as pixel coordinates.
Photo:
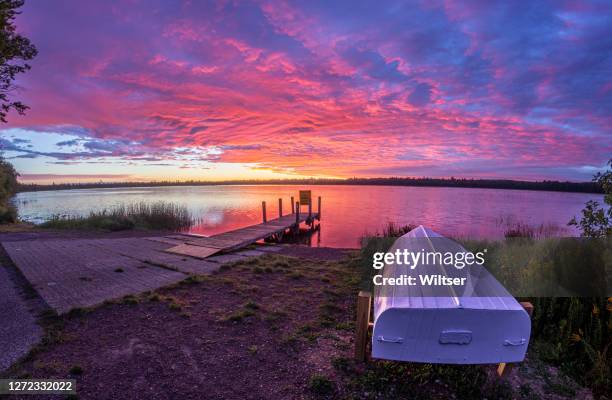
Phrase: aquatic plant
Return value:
(378, 242)
(159, 215)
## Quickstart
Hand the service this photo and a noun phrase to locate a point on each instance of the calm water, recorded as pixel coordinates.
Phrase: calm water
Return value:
(347, 211)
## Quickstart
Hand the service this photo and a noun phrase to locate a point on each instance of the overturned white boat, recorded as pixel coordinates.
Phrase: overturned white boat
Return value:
(478, 322)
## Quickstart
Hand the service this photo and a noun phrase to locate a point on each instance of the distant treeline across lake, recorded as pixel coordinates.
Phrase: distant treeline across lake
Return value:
(556, 186)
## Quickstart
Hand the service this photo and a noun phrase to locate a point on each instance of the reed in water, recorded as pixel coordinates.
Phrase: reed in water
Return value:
(159, 215)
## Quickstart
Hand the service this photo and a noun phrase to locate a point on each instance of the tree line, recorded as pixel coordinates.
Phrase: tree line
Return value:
(581, 187)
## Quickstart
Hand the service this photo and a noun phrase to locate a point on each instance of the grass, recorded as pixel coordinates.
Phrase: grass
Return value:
(130, 299)
(146, 216)
(251, 305)
(389, 379)
(523, 230)
(321, 385)
(239, 315)
(342, 364)
(76, 370)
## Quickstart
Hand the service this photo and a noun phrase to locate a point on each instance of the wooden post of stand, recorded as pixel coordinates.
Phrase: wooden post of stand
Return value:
(292, 206)
(364, 301)
(503, 369)
(297, 213)
(280, 208)
(263, 210)
(319, 209)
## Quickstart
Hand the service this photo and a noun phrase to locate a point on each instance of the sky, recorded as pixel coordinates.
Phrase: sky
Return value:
(157, 90)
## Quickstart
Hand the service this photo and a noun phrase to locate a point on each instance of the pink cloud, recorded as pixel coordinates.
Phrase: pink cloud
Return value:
(295, 89)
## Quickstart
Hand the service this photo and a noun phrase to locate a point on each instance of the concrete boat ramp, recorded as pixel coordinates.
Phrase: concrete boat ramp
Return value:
(69, 273)
(81, 273)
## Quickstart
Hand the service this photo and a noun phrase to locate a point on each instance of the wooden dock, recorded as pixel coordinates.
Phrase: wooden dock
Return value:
(78, 273)
(203, 247)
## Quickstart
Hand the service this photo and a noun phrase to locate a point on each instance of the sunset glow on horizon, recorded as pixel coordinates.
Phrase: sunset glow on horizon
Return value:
(162, 90)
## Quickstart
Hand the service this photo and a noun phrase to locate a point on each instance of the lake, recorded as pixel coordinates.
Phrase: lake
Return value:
(348, 212)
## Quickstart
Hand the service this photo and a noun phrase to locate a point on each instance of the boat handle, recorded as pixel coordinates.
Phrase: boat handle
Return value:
(519, 342)
(390, 340)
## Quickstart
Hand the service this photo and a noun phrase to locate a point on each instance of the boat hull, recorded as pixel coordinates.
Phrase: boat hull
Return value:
(451, 335)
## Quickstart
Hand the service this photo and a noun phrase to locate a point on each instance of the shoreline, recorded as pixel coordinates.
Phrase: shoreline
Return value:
(538, 186)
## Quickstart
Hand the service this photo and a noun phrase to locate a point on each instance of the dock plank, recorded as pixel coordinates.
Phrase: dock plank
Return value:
(219, 243)
(193, 251)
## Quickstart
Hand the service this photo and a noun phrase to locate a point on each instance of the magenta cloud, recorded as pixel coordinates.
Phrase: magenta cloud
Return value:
(482, 89)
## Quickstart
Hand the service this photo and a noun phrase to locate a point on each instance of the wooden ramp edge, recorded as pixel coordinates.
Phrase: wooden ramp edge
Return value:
(193, 251)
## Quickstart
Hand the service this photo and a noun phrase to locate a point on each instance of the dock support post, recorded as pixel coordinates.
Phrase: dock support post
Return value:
(364, 301)
(280, 208)
(319, 209)
(263, 209)
(292, 206)
(297, 217)
(310, 212)
(503, 369)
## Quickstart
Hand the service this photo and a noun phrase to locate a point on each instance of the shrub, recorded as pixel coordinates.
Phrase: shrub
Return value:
(8, 183)
(573, 332)
(8, 214)
(597, 221)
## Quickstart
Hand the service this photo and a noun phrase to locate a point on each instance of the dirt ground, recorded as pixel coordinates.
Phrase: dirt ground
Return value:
(244, 333)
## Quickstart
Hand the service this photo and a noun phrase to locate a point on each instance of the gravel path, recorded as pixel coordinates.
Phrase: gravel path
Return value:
(18, 329)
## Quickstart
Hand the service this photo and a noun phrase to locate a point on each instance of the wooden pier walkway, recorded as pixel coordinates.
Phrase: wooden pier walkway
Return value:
(203, 247)
(79, 273)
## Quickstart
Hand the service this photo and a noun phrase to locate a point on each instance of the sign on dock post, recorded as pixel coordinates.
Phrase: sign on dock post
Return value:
(305, 196)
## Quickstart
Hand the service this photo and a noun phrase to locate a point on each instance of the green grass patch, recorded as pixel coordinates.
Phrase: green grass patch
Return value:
(251, 305)
(275, 315)
(76, 370)
(321, 385)
(239, 316)
(296, 275)
(129, 299)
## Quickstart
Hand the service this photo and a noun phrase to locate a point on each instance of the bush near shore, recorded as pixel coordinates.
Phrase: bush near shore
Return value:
(148, 216)
(8, 183)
